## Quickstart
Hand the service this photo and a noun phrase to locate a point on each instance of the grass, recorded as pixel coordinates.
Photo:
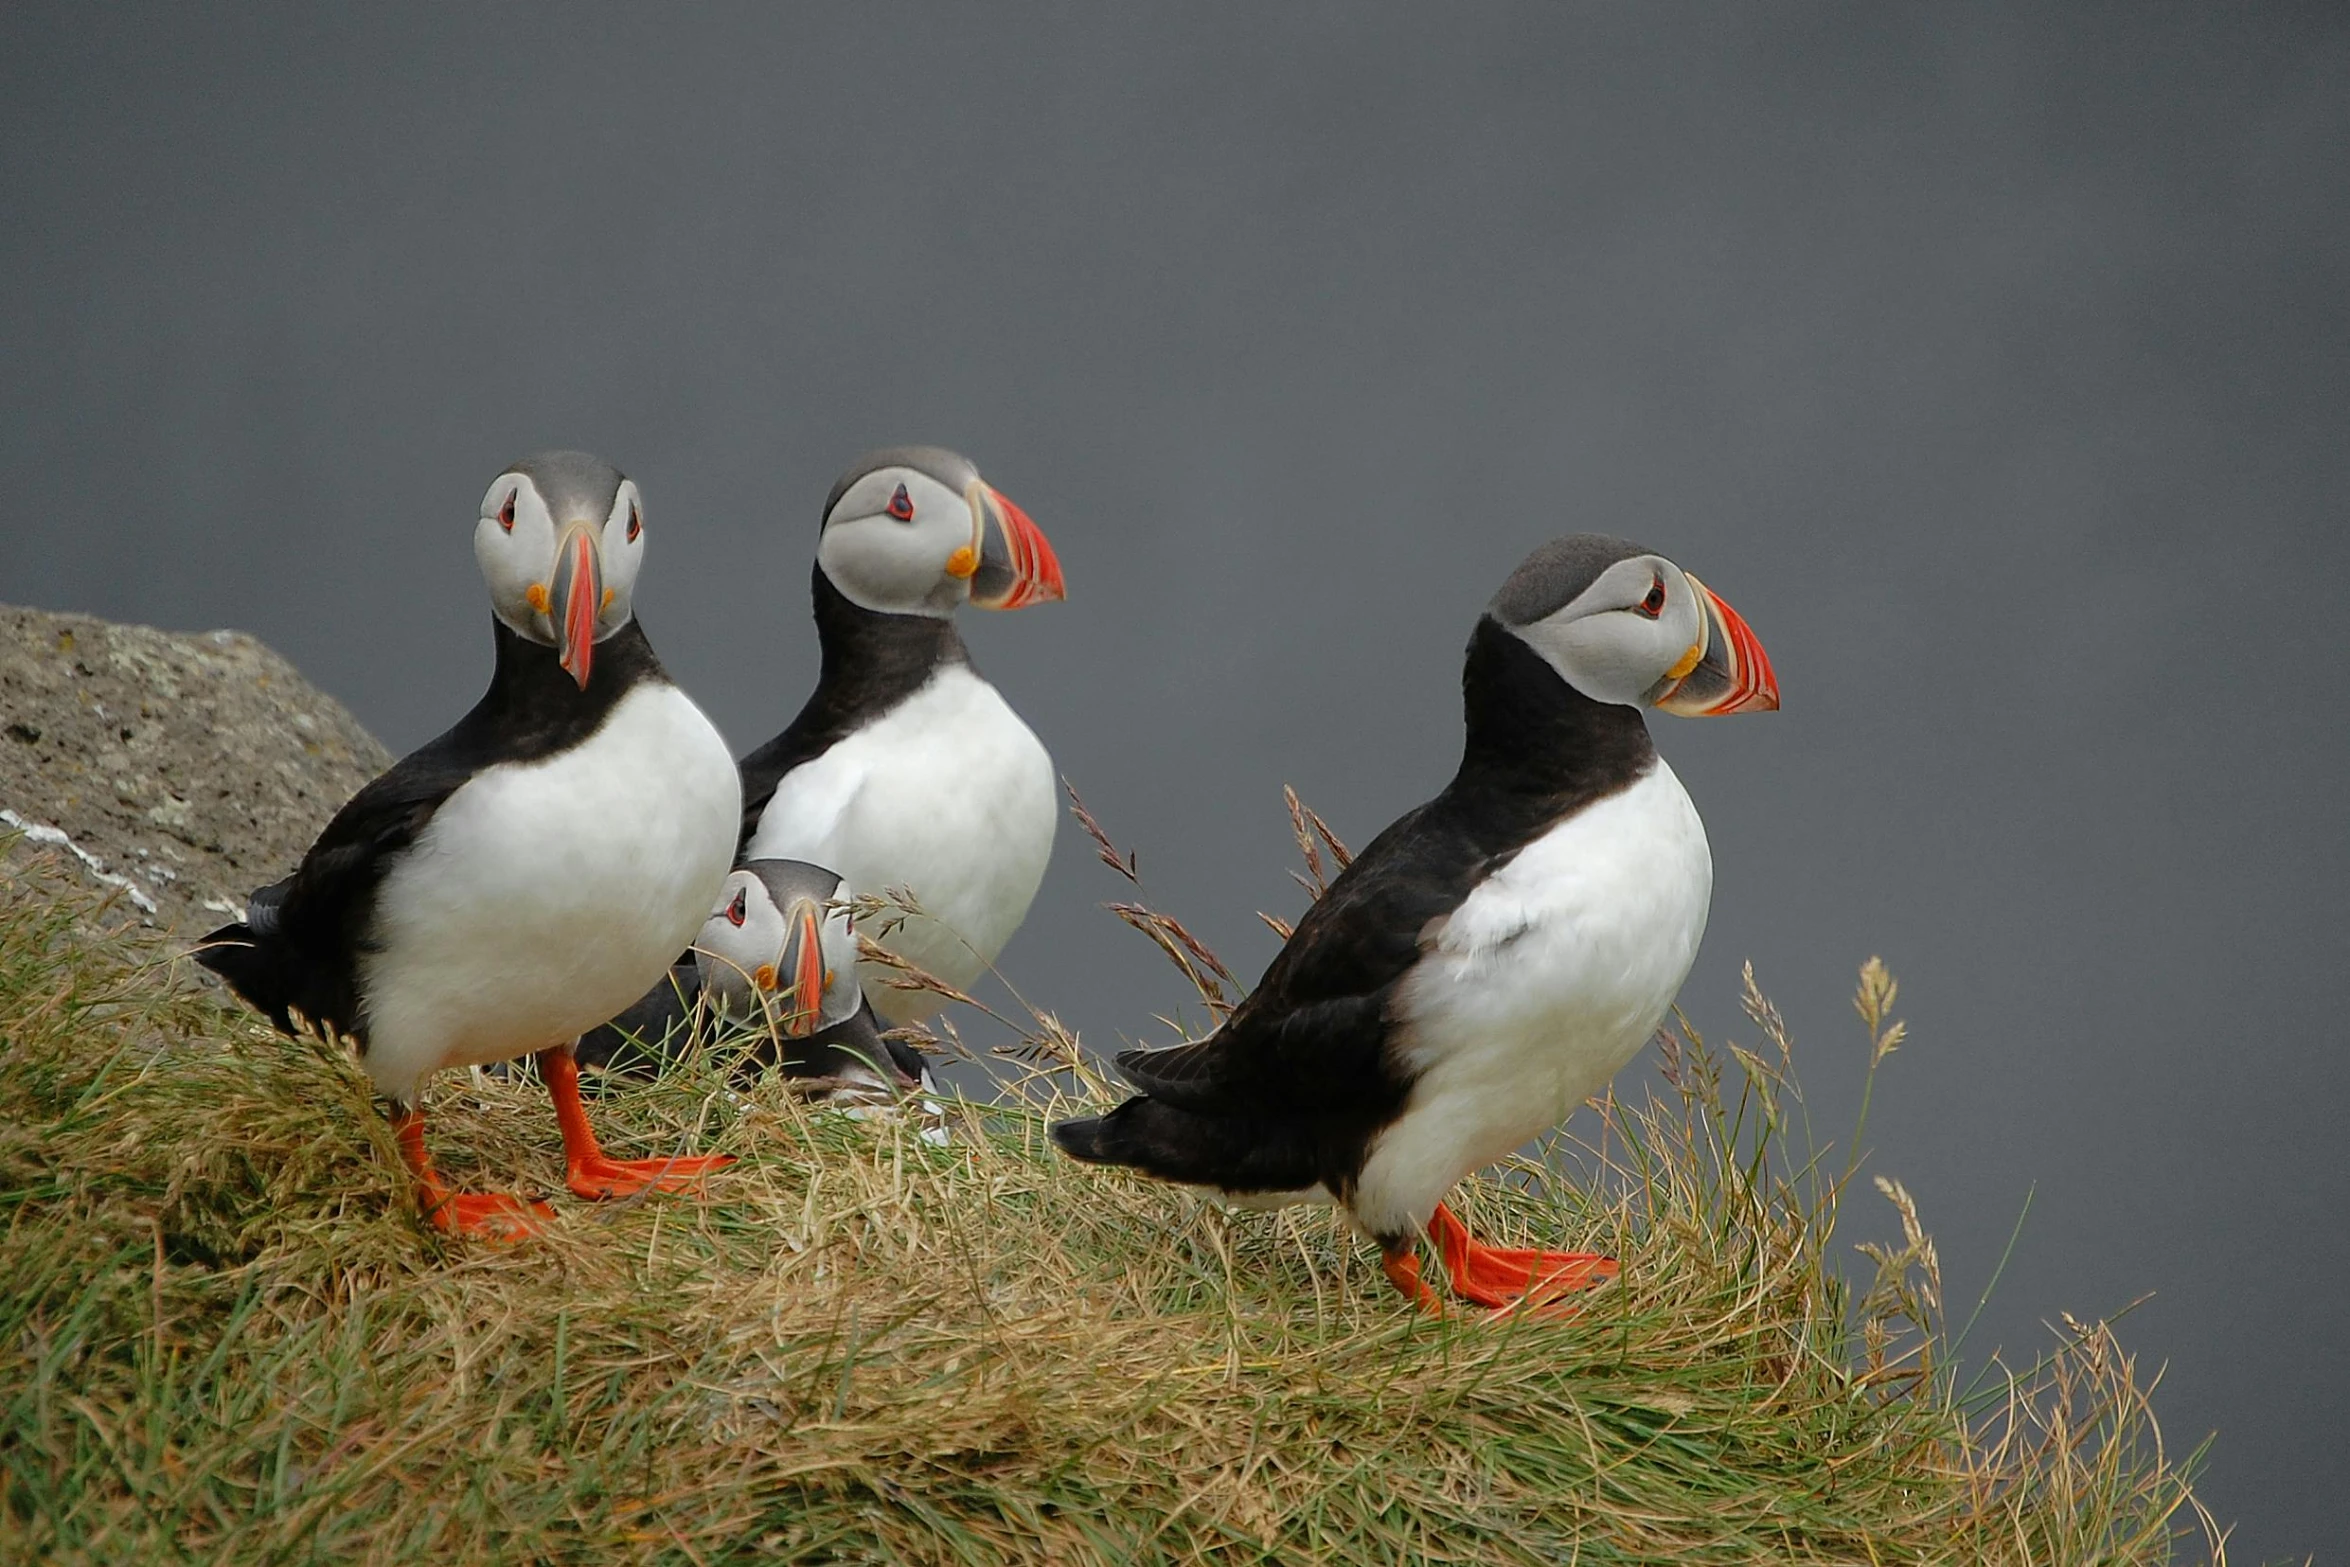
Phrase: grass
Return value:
(226, 1338)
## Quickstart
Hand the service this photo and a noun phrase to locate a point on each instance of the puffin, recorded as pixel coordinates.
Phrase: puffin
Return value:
(776, 956)
(906, 769)
(519, 879)
(1492, 958)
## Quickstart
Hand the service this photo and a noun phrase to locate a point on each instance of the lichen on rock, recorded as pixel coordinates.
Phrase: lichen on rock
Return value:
(188, 769)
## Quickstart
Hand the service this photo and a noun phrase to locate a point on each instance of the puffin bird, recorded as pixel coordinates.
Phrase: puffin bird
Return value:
(906, 769)
(776, 954)
(1491, 959)
(519, 879)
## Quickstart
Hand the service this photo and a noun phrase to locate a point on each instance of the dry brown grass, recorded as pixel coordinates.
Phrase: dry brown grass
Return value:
(226, 1337)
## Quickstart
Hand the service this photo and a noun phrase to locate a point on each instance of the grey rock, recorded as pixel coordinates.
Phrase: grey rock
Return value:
(184, 770)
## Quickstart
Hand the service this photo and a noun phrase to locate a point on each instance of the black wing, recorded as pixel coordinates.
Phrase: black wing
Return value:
(1315, 1032)
(807, 738)
(298, 948)
(1312, 1037)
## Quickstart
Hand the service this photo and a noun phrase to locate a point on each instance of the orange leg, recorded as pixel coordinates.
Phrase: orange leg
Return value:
(1508, 1276)
(586, 1170)
(1403, 1271)
(492, 1215)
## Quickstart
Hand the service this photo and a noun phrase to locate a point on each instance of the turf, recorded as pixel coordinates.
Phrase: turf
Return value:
(225, 1336)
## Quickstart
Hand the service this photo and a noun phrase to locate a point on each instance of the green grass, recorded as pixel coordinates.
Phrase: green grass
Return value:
(225, 1337)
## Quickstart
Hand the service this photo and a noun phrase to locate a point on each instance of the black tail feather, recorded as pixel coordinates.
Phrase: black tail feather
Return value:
(295, 981)
(1231, 1153)
(250, 964)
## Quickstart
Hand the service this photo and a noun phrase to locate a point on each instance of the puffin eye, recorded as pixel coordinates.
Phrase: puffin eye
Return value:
(738, 908)
(636, 523)
(506, 512)
(901, 505)
(1653, 605)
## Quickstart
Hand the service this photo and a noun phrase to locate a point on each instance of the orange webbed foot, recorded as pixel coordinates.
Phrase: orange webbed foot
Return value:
(1512, 1278)
(595, 1177)
(495, 1216)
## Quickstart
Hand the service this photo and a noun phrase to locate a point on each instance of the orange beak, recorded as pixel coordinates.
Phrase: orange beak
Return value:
(800, 1010)
(1732, 673)
(577, 599)
(1017, 566)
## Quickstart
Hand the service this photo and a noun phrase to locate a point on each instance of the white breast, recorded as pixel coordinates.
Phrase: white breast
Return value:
(545, 897)
(948, 794)
(1547, 979)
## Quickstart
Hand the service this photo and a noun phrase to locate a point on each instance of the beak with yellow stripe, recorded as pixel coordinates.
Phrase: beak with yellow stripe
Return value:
(1725, 669)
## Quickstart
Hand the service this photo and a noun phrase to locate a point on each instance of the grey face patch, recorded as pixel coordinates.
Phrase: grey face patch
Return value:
(1621, 633)
(948, 468)
(789, 879)
(577, 486)
(1556, 574)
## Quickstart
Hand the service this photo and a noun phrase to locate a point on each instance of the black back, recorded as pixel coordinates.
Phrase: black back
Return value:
(298, 947)
(665, 1026)
(1289, 1091)
(658, 1029)
(871, 661)
(853, 1041)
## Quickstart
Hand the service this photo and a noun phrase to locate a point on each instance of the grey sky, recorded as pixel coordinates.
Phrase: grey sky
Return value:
(1994, 366)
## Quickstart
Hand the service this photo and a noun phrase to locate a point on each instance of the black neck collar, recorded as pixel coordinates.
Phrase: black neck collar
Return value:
(534, 708)
(871, 660)
(1532, 734)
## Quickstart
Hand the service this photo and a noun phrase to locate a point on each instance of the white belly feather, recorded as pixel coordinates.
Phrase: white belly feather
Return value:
(948, 794)
(1539, 988)
(545, 897)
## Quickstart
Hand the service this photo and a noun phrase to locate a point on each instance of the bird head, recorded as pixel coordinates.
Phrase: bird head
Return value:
(559, 541)
(778, 948)
(1623, 624)
(914, 530)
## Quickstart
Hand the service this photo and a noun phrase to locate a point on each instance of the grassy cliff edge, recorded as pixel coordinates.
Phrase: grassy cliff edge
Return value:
(226, 1337)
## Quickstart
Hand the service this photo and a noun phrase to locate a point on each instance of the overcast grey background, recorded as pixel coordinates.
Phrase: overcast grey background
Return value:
(1994, 365)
